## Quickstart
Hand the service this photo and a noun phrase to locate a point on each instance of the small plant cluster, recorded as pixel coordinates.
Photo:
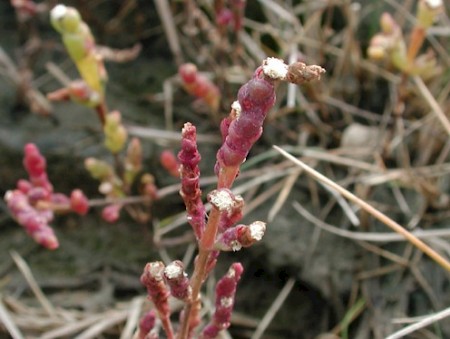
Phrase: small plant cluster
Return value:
(390, 44)
(199, 86)
(33, 203)
(219, 230)
(115, 180)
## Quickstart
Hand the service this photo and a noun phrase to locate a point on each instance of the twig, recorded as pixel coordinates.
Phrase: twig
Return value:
(364, 236)
(284, 193)
(371, 210)
(163, 8)
(429, 98)
(110, 319)
(133, 317)
(6, 320)
(273, 309)
(420, 324)
(28, 275)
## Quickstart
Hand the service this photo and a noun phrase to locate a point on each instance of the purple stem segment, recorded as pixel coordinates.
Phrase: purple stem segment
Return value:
(256, 98)
(225, 296)
(189, 158)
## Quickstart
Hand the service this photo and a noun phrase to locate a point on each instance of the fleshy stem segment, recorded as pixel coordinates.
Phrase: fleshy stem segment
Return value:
(239, 132)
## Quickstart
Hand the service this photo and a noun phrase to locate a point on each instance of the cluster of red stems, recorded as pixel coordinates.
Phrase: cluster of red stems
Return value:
(218, 231)
(33, 203)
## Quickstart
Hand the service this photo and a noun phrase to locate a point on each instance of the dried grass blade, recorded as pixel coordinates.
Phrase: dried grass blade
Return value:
(371, 210)
(109, 319)
(364, 236)
(71, 328)
(163, 8)
(28, 275)
(420, 324)
(273, 309)
(429, 98)
(133, 317)
(7, 321)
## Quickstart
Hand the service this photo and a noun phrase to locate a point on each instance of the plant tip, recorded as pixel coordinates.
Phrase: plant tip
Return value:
(275, 68)
(58, 12)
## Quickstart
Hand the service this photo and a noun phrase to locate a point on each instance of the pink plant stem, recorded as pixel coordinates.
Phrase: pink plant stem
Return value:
(206, 243)
(205, 248)
(227, 177)
(255, 98)
(102, 111)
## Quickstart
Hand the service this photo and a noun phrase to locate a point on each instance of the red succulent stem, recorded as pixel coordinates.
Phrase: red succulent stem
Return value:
(206, 244)
(239, 131)
(227, 176)
(152, 279)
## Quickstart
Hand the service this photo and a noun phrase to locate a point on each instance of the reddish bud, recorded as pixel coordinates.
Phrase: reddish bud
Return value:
(225, 295)
(78, 202)
(169, 161)
(200, 86)
(24, 185)
(233, 239)
(46, 237)
(33, 161)
(111, 213)
(224, 17)
(177, 280)
(146, 324)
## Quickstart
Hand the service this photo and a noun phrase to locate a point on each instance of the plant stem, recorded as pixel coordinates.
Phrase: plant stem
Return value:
(198, 277)
(416, 41)
(102, 111)
(227, 177)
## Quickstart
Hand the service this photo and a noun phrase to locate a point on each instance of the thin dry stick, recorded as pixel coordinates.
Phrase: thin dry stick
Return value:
(110, 319)
(28, 275)
(7, 321)
(133, 317)
(421, 324)
(371, 210)
(284, 193)
(429, 98)
(273, 309)
(163, 8)
(69, 329)
(365, 236)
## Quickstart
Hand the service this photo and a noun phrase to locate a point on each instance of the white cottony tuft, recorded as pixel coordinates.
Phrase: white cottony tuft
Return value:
(433, 4)
(58, 12)
(222, 200)
(8, 195)
(237, 107)
(226, 302)
(257, 230)
(156, 270)
(275, 68)
(236, 246)
(173, 271)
